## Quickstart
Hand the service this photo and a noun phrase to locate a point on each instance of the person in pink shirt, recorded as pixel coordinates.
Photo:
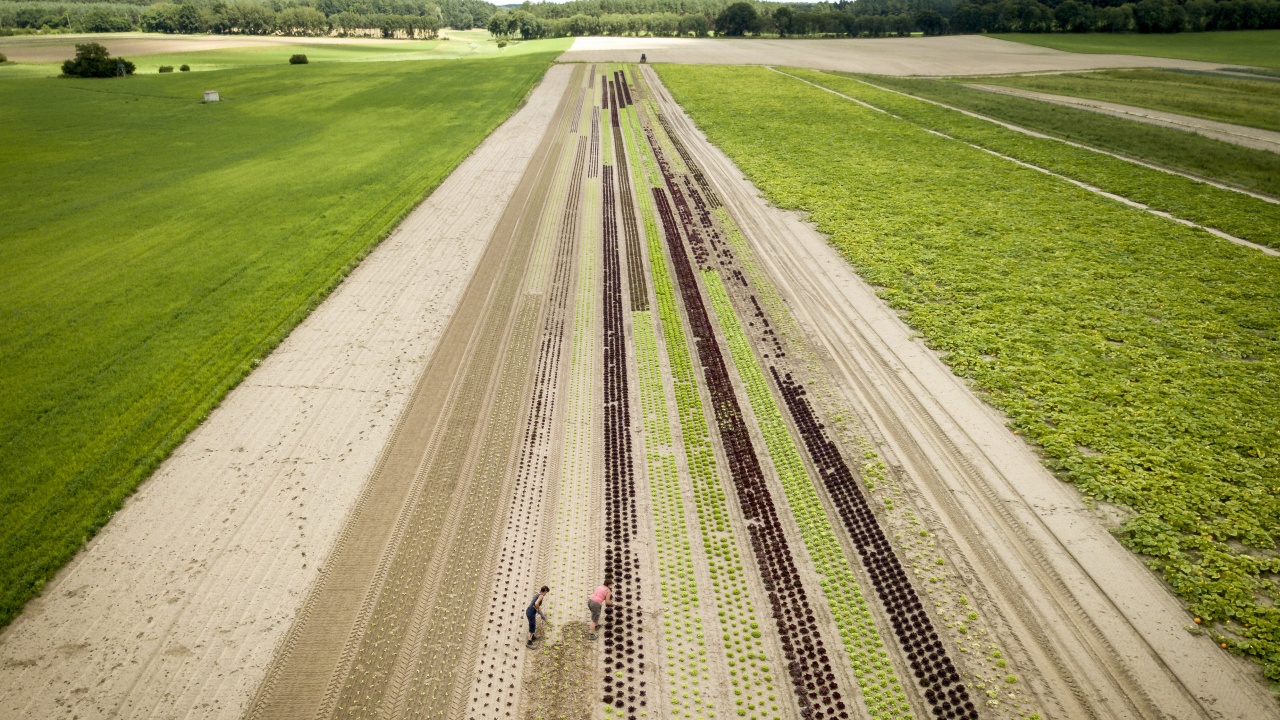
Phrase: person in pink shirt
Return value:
(601, 597)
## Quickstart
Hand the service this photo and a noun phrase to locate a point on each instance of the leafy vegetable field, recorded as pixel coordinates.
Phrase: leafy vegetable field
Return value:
(1140, 355)
(159, 248)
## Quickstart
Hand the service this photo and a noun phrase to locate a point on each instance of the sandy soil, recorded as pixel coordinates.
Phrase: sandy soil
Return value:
(55, 48)
(1255, 138)
(1104, 635)
(950, 55)
(179, 604)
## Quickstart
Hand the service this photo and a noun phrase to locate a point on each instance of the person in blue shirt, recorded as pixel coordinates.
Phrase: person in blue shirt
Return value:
(533, 611)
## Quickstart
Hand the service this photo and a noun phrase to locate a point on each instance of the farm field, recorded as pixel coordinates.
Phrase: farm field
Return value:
(931, 56)
(864, 407)
(1237, 47)
(1198, 158)
(129, 314)
(1101, 362)
(42, 56)
(1229, 99)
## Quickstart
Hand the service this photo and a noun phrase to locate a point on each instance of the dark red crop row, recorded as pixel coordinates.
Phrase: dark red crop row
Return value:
(808, 663)
(624, 686)
(932, 667)
(630, 228)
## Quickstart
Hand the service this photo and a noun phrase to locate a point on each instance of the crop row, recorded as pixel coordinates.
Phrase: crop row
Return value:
(807, 661)
(738, 624)
(933, 668)
(881, 689)
(624, 686)
(516, 564)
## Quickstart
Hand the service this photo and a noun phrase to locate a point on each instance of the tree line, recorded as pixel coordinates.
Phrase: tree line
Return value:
(876, 18)
(378, 18)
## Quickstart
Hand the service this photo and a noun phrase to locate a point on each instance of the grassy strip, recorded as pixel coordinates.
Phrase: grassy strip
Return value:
(1232, 212)
(1254, 103)
(881, 689)
(749, 672)
(1138, 354)
(159, 248)
(1234, 47)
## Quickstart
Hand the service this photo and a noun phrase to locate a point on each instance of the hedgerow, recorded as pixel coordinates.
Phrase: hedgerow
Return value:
(1140, 355)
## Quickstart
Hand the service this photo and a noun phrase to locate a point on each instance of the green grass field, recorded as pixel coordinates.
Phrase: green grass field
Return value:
(461, 45)
(1255, 103)
(1256, 170)
(1140, 355)
(153, 249)
(1237, 47)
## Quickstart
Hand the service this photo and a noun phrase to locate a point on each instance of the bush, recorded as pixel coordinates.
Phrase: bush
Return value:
(298, 60)
(3, 59)
(92, 60)
(502, 44)
(166, 68)
(185, 68)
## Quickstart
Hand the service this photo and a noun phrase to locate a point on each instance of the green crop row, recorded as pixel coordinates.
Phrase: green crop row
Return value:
(1232, 212)
(682, 625)
(1140, 355)
(881, 689)
(749, 672)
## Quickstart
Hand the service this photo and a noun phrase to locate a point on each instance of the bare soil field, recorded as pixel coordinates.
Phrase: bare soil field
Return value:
(55, 48)
(937, 56)
(1255, 138)
(179, 604)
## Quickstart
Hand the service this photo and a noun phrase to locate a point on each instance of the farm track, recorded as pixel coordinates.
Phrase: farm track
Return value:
(361, 635)
(1104, 638)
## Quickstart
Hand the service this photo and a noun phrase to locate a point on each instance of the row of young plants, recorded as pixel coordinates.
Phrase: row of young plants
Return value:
(881, 689)
(750, 674)
(1232, 212)
(1139, 354)
(946, 588)
(817, 690)
(686, 666)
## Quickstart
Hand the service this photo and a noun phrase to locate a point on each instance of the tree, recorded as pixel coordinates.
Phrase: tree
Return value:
(931, 23)
(93, 61)
(783, 17)
(1074, 17)
(737, 20)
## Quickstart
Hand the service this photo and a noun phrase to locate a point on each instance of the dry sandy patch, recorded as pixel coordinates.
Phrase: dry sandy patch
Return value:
(55, 48)
(1255, 138)
(950, 55)
(179, 604)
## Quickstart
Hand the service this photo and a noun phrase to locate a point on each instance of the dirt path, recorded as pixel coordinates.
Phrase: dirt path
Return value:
(949, 55)
(1255, 138)
(179, 604)
(1103, 637)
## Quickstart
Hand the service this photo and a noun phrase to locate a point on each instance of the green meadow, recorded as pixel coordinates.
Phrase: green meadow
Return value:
(153, 249)
(1236, 47)
(1238, 100)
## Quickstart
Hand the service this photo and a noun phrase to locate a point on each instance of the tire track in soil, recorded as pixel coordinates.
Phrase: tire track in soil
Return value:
(350, 634)
(500, 661)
